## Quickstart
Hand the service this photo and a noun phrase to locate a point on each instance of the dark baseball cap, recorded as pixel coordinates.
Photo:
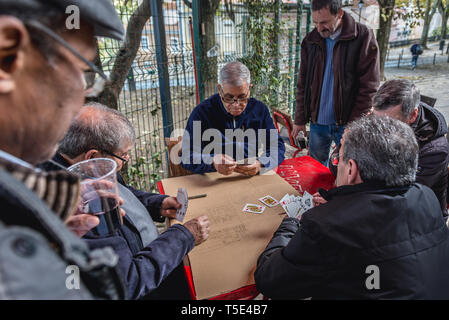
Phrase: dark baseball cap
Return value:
(100, 14)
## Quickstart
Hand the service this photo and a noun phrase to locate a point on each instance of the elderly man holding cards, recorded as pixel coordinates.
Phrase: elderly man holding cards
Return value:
(380, 235)
(226, 132)
(150, 263)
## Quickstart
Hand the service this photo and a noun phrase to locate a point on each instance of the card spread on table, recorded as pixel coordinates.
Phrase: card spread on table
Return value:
(295, 206)
(253, 208)
(269, 201)
(183, 199)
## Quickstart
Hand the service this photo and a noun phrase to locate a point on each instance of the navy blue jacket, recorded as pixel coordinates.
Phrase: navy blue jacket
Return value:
(211, 114)
(144, 269)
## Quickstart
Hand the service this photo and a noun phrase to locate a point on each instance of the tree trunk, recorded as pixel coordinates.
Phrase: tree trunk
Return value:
(126, 55)
(383, 34)
(444, 16)
(430, 11)
(209, 65)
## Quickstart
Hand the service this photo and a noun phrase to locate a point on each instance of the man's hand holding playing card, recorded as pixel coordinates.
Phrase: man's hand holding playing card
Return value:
(224, 164)
(169, 207)
(250, 169)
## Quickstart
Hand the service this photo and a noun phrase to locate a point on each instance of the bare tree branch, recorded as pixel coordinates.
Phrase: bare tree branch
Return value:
(230, 10)
(126, 54)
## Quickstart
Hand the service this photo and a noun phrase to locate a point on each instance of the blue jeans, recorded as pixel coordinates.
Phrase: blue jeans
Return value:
(414, 61)
(320, 140)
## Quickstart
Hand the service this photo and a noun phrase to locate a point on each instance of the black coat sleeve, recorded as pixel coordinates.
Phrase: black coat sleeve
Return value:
(144, 271)
(291, 267)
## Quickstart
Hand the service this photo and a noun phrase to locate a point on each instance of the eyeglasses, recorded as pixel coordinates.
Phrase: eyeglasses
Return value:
(118, 157)
(234, 100)
(93, 85)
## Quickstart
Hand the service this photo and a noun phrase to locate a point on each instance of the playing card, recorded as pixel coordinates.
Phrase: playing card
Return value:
(253, 208)
(293, 209)
(307, 199)
(183, 199)
(269, 201)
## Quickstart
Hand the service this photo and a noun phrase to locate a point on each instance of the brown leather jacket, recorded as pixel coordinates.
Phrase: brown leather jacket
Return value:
(356, 73)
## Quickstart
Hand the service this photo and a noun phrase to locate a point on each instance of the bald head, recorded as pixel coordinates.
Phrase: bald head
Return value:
(97, 127)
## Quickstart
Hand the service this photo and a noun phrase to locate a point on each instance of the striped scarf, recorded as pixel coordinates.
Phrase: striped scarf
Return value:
(60, 190)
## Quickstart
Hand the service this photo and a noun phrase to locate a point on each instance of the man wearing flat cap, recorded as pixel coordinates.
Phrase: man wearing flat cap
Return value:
(42, 88)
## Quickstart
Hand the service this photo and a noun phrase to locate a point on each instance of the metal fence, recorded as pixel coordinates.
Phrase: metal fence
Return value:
(161, 87)
(172, 55)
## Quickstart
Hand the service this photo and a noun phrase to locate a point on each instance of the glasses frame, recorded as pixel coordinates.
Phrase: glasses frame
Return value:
(116, 156)
(238, 100)
(99, 82)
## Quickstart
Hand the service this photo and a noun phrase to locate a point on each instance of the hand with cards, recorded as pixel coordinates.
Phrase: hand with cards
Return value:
(296, 206)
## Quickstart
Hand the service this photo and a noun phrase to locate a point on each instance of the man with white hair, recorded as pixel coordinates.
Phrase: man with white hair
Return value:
(231, 127)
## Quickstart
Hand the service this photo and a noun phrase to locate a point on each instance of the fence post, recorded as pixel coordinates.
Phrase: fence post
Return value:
(297, 49)
(162, 65)
(197, 40)
(434, 57)
(290, 69)
(277, 30)
(309, 18)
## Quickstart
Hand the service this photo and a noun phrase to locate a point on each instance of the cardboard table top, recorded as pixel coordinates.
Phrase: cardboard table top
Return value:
(227, 259)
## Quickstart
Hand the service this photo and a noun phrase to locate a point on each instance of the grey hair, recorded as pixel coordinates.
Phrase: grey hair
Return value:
(234, 73)
(385, 150)
(397, 92)
(97, 127)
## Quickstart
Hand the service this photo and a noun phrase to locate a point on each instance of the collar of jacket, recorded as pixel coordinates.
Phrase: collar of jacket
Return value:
(60, 190)
(376, 186)
(429, 125)
(349, 30)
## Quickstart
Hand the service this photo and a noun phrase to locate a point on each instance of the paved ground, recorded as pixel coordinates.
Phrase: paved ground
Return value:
(432, 80)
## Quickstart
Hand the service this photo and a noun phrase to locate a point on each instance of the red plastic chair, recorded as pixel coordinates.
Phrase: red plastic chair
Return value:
(285, 120)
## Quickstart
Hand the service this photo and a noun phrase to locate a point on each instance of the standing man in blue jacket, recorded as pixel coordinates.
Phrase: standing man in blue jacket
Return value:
(229, 127)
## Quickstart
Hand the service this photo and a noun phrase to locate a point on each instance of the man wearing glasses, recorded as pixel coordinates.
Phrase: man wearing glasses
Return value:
(150, 263)
(42, 87)
(230, 131)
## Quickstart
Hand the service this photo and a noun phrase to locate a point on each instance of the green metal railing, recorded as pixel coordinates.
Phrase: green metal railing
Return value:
(159, 90)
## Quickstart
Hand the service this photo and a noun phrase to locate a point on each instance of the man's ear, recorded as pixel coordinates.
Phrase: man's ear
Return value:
(14, 37)
(413, 116)
(92, 153)
(353, 173)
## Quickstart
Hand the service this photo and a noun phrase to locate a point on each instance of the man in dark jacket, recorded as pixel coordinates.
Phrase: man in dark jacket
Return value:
(42, 62)
(338, 76)
(416, 51)
(150, 263)
(400, 99)
(237, 127)
(378, 235)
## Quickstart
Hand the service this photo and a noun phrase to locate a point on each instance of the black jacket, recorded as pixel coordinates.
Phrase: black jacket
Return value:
(328, 255)
(430, 128)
